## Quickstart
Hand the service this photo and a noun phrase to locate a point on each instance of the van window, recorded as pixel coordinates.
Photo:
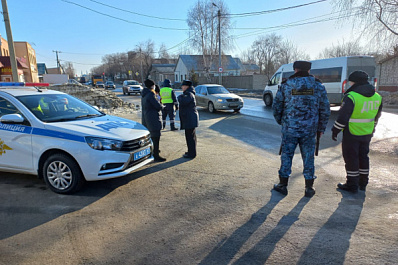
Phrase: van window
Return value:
(286, 75)
(328, 75)
(275, 79)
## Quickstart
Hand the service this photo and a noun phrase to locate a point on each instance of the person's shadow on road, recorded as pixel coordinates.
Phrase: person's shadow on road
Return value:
(260, 253)
(224, 252)
(331, 243)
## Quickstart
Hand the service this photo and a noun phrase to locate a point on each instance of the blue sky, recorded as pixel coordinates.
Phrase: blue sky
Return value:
(84, 37)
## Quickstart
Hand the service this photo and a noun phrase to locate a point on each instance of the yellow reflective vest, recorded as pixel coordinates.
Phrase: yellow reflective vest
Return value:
(362, 120)
(165, 94)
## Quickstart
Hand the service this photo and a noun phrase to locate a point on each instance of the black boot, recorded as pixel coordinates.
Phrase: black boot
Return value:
(173, 128)
(164, 125)
(281, 187)
(351, 185)
(156, 151)
(363, 182)
(309, 190)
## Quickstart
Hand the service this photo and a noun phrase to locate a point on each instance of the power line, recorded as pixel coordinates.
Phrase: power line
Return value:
(138, 14)
(289, 25)
(78, 62)
(82, 53)
(121, 19)
(270, 11)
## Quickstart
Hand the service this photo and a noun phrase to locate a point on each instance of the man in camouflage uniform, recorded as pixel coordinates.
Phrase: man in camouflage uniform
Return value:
(302, 108)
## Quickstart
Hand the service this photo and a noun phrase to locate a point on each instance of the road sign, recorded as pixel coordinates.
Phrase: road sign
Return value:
(220, 70)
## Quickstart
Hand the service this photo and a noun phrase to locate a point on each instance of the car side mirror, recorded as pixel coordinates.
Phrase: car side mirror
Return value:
(12, 119)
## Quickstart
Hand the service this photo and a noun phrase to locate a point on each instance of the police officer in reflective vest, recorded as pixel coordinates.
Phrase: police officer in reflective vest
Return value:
(358, 115)
(302, 107)
(169, 100)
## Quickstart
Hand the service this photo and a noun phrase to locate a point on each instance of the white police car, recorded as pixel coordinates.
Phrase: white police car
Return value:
(65, 140)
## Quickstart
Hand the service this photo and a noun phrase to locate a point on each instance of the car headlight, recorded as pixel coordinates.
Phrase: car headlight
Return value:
(104, 144)
(241, 99)
(220, 100)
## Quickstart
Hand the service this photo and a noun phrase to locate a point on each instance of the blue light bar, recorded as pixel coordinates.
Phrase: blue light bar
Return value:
(12, 84)
(22, 84)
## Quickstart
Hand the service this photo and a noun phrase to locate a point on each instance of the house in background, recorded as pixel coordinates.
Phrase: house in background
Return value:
(42, 70)
(6, 71)
(202, 65)
(27, 54)
(248, 69)
(160, 72)
(388, 74)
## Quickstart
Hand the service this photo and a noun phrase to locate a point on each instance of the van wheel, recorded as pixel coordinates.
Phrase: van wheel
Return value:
(62, 174)
(267, 100)
(211, 107)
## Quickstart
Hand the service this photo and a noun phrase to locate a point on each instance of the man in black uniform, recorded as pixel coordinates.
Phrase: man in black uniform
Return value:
(189, 117)
(358, 116)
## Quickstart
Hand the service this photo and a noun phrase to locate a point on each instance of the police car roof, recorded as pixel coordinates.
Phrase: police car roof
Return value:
(25, 91)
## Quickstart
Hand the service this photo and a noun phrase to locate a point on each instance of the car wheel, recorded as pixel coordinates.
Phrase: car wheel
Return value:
(211, 107)
(267, 100)
(236, 110)
(62, 174)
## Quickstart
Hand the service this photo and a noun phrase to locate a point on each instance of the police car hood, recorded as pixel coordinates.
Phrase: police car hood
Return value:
(106, 126)
(301, 82)
(225, 95)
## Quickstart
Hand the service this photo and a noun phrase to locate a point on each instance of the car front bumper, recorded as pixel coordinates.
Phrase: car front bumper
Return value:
(228, 105)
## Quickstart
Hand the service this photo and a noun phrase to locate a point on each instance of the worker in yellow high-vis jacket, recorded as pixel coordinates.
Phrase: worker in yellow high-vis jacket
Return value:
(358, 115)
(169, 100)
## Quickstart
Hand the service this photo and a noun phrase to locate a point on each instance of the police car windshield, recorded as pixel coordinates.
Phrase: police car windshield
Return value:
(58, 107)
(217, 90)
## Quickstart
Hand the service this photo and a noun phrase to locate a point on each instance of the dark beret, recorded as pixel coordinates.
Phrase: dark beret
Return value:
(359, 77)
(186, 83)
(149, 83)
(302, 65)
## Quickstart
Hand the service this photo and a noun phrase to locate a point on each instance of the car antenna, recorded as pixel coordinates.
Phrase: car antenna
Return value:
(38, 89)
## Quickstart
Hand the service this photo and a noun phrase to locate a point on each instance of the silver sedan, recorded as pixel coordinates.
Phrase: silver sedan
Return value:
(216, 97)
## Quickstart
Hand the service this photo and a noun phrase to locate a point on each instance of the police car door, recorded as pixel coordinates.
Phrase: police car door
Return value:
(15, 141)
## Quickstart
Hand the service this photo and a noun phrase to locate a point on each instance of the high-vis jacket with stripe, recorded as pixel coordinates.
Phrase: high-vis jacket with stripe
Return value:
(362, 121)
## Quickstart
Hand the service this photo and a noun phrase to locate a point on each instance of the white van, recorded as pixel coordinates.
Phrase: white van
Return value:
(332, 72)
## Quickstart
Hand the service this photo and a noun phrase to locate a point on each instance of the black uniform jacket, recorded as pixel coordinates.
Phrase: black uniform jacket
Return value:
(151, 112)
(189, 116)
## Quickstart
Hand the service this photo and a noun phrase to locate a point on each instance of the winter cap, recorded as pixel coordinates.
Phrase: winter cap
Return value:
(358, 77)
(302, 65)
(149, 83)
(166, 83)
(186, 83)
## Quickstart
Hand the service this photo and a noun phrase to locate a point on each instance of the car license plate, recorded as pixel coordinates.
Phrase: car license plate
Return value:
(142, 153)
(233, 105)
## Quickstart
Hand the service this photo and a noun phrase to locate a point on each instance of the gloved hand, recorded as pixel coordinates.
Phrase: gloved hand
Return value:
(334, 136)
(335, 132)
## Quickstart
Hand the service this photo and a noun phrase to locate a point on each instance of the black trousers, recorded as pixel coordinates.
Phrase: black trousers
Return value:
(168, 111)
(190, 137)
(355, 154)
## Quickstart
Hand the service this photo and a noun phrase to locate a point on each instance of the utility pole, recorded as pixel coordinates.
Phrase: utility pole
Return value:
(219, 46)
(58, 64)
(7, 23)
(142, 77)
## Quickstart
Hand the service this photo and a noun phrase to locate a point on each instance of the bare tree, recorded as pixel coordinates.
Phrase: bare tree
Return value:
(69, 69)
(290, 53)
(376, 19)
(342, 49)
(146, 51)
(203, 24)
(162, 53)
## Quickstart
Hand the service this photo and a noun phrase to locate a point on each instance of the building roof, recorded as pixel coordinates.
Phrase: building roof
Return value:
(163, 68)
(6, 62)
(251, 67)
(196, 63)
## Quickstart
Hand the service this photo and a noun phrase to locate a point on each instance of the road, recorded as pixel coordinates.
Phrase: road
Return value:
(215, 209)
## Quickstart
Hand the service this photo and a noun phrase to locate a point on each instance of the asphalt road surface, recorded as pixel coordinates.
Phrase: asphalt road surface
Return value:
(215, 209)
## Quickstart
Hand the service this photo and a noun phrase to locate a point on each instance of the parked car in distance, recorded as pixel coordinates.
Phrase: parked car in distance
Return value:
(131, 86)
(216, 97)
(100, 84)
(65, 140)
(109, 85)
(73, 82)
